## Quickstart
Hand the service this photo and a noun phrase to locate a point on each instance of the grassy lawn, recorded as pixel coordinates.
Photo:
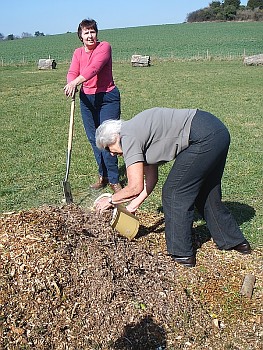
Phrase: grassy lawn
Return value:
(34, 129)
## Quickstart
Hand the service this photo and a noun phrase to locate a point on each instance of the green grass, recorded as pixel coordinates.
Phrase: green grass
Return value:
(34, 117)
(173, 41)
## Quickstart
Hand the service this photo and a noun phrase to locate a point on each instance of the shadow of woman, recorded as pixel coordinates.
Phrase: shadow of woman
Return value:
(157, 227)
(240, 211)
(145, 335)
(200, 234)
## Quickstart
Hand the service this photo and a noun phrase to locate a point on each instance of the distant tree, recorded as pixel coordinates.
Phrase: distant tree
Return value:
(215, 4)
(194, 16)
(10, 37)
(250, 15)
(39, 34)
(253, 4)
(230, 12)
(217, 10)
(206, 14)
(26, 35)
(2, 36)
(234, 3)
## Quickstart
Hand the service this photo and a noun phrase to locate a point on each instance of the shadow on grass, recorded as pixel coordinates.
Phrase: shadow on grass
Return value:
(145, 335)
(241, 212)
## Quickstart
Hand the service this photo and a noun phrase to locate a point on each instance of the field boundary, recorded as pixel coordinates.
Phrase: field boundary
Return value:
(203, 56)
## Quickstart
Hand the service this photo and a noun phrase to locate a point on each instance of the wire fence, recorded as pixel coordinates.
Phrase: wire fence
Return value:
(194, 56)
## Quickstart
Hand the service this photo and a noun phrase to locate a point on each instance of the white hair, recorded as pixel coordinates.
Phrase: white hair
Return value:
(107, 133)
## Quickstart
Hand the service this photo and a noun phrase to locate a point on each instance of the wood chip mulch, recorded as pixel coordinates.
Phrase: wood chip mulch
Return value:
(69, 281)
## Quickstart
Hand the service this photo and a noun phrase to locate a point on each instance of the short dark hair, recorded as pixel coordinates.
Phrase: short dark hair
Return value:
(87, 23)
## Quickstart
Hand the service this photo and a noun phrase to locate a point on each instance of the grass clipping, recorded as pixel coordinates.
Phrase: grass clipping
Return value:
(68, 281)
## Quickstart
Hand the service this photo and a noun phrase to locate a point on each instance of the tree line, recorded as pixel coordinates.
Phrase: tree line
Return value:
(228, 10)
(24, 35)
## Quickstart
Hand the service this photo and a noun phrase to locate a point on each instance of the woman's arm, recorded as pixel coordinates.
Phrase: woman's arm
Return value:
(151, 179)
(99, 58)
(88, 68)
(73, 77)
(137, 189)
(135, 186)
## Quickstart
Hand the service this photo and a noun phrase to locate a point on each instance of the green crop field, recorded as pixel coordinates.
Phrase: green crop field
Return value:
(173, 41)
(34, 112)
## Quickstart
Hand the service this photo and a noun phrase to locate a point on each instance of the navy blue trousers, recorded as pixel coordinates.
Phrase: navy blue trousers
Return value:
(195, 181)
(95, 109)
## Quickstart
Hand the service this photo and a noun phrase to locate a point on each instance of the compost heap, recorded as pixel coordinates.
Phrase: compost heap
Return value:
(69, 281)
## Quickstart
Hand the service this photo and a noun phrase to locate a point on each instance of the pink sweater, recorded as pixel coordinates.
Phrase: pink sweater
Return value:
(95, 66)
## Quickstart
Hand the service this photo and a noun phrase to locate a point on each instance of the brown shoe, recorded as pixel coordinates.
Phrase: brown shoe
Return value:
(101, 183)
(115, 187)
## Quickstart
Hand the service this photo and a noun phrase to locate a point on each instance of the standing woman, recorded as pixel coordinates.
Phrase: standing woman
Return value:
(91, 67)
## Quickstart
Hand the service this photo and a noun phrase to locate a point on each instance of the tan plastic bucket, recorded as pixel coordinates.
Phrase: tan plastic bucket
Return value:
(124, 222)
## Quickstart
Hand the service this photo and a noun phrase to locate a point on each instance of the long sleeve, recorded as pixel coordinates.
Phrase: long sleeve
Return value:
(95, 66)
(98, 59)
(74, 69)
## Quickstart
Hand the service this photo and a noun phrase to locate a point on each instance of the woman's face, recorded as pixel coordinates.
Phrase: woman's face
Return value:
(115, 148)
(89, 37)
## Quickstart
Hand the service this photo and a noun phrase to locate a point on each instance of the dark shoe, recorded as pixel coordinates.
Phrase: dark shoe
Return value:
(101, 183)
(115, 187)
(187, 261)
(243, 248)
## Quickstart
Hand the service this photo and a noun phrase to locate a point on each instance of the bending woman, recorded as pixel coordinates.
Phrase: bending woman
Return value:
(199, 142)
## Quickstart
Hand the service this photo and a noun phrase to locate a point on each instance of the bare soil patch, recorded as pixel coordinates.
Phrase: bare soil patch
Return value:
(68, 281)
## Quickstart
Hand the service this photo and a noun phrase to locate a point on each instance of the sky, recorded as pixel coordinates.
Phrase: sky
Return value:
(61, 16)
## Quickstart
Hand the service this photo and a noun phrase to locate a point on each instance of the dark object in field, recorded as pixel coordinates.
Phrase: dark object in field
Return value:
(47, 63)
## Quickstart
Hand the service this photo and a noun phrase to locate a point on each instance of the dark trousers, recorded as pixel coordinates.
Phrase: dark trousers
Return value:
(95, 109)
(195, 181)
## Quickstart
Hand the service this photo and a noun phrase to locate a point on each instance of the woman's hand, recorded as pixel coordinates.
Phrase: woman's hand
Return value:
(131, 209)
(70, 89)
(102, 204)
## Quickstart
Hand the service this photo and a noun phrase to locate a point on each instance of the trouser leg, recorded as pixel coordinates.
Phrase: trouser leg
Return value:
(94, 110)
(178, 196)
(220, 222)
(110, 109)
(90, 122)
(191, 177)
